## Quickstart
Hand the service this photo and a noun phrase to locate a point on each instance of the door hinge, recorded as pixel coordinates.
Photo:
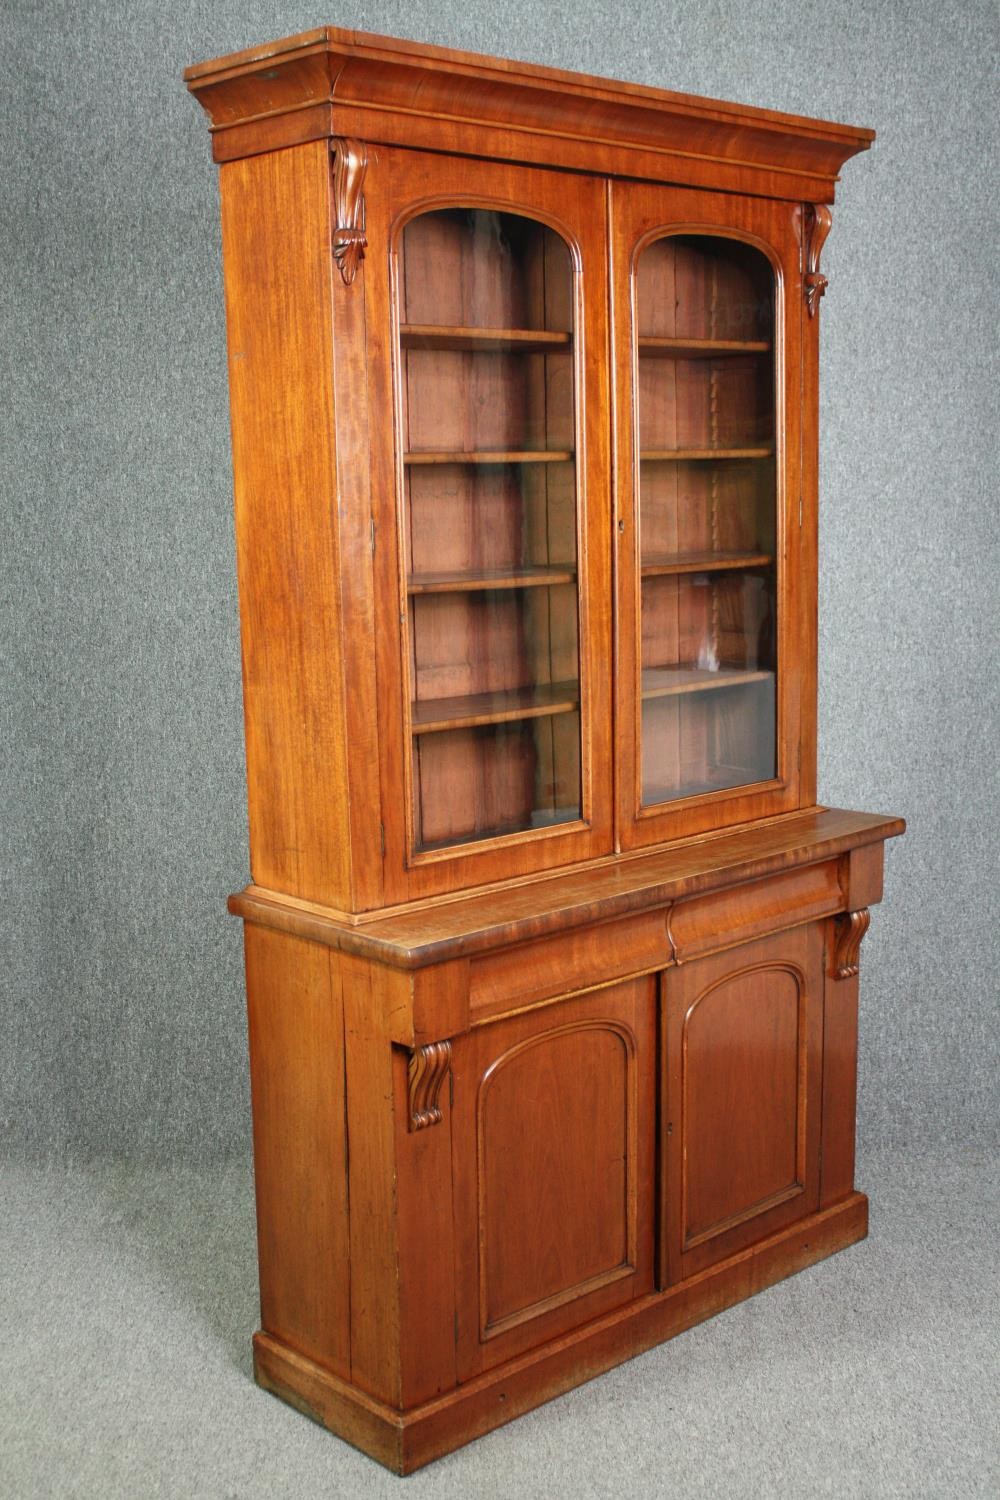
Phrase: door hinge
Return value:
(371, 535)
(800, 515)
(381, 838)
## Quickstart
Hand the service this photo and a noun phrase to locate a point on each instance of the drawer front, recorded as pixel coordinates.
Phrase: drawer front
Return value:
(699, 925)
(505, 982)
(553, 1136)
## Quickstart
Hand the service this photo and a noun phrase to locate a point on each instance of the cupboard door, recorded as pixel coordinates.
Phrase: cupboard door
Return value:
(487, 329)
(742, 1098)
(552, 1130)
(716, 586)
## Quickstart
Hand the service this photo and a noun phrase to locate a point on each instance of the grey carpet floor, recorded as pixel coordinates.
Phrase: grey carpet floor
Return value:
(127, 1299)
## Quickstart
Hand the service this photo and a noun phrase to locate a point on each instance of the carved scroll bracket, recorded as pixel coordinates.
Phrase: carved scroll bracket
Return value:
(427, 1071)
(349, 159)
(850, 929)
(816, 225)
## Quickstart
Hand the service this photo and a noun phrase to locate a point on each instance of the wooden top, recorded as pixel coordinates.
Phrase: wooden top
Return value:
(433, 932)
(339, 82)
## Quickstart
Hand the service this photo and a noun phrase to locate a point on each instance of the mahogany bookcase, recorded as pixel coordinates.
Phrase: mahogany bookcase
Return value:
(552, 958)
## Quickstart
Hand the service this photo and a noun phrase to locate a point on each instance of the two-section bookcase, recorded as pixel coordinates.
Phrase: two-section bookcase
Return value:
(551, 955)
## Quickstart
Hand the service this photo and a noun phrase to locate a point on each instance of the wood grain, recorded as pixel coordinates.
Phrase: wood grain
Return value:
(298, 1088)
(376, 1335)
(482, 340)
(706, 924)
(840, 1078)
(275, 230)
(742, 1091)
(516, 977)
(553, 1160)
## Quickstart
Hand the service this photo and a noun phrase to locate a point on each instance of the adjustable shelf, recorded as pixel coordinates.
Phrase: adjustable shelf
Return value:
(669, 682)
(482, 340)
(722, 779)
(677, 455)
(671, 348)
(703, 562)
(434, 715)
(490, 578)
(503, 456)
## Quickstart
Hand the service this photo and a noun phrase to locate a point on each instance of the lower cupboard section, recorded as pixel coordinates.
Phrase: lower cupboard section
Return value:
(546, 1191)
(560, 1115)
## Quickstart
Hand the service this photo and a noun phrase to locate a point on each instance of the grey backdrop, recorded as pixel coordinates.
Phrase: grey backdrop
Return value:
(122, 774)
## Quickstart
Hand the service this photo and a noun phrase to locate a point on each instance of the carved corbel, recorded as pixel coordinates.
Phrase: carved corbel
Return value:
(850, 929)
(427, 1071)
(349, 160)
(816, 225)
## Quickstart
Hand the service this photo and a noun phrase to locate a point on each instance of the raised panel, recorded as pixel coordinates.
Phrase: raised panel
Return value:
(742, 1091)
(553, 1133)
(555, 1129)
(743, 1120)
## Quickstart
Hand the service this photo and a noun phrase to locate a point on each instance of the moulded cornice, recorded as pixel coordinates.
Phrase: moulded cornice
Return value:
(347, 83)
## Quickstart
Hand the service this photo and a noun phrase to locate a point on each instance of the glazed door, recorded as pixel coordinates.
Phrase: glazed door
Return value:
(742, 1081)
(716, 593)
(486, 290)
(552, 1141)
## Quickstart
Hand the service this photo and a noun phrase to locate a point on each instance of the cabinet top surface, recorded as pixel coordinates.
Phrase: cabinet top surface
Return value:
(478, 921)
(356, 70)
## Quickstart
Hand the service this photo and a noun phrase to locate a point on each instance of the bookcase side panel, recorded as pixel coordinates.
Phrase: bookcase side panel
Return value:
(296, 1035)
(278, 268)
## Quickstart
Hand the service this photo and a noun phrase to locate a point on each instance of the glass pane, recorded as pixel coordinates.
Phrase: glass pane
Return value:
(707, 516)
(486, 362)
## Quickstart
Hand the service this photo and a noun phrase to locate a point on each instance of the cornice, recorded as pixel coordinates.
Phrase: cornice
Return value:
(381, 90)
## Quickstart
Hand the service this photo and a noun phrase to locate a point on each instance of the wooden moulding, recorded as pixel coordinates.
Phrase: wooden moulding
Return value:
(405, 1441)
(331, 82)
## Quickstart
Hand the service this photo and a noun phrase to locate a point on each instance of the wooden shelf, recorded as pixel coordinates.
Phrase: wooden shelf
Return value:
(433, 715)
(659, 348)
(482, 340)
(538, 819)
(723, 779)
(669, 682)
(490, 578)
(675, 455)
(537, 456)
(703, 562)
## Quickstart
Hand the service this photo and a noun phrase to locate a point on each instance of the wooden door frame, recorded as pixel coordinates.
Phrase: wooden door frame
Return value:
(400, 185)
(799, 951)
(628, 1009)
(640, 214)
